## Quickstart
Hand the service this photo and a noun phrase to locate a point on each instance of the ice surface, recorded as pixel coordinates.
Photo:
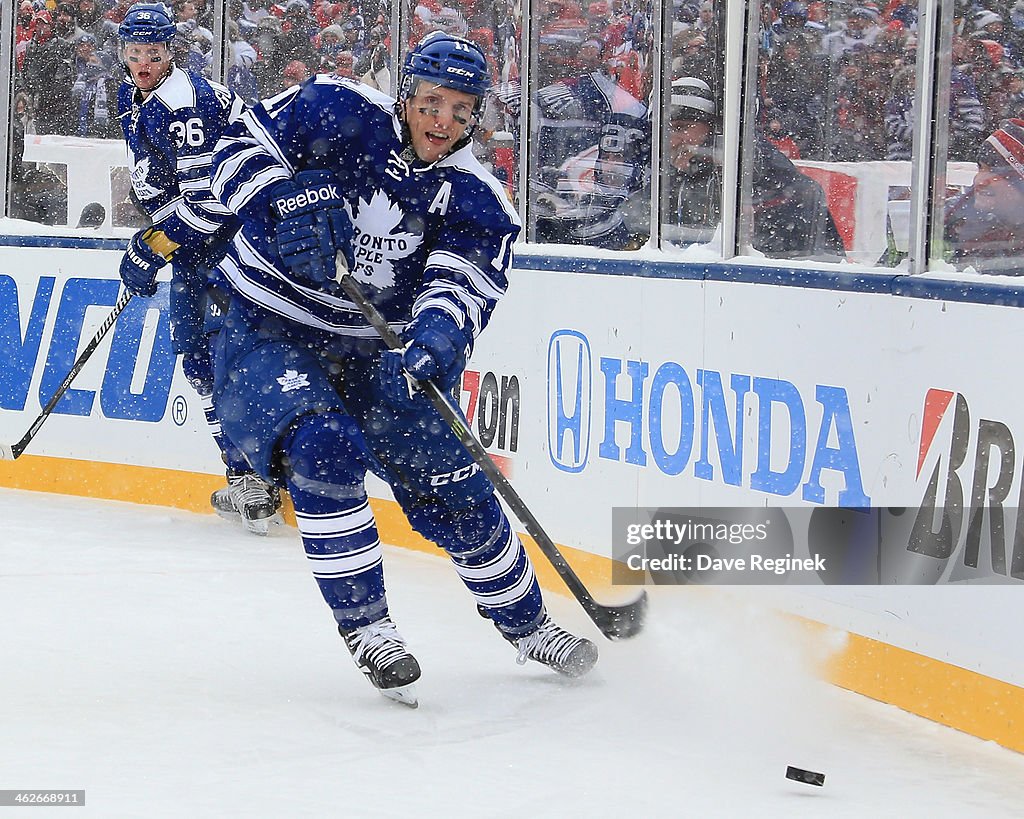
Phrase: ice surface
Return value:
(173, 666)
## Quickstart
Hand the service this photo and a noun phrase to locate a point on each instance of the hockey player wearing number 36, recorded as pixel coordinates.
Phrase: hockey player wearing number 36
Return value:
(172, 119)
(302, 381)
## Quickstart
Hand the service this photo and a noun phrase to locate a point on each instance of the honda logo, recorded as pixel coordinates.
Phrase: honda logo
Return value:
(569, 400)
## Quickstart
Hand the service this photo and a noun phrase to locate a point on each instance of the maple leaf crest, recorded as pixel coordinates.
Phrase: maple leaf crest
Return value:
(377, 242)
(293, 380)
(140, 180)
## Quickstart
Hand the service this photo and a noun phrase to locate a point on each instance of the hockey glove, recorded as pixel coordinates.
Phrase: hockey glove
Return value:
(436, 350)
(141, 263)
(312, 226)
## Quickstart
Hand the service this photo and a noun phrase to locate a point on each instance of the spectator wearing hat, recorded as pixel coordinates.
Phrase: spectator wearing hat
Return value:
(23, 28)
(860, 30)
(295, 73)
(791, 22)
(94, 91)
(374, 69)
(788, 211)
(329, 42)
(92, 20)
(298, 29)
(992, 27)
(985, 224)
(353, 39)
(691, 56)
(65, 23)
(451, 21)
(345, 65)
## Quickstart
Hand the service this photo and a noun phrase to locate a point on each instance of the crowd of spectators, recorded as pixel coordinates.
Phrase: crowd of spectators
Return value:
(837, 78)
(67, 66)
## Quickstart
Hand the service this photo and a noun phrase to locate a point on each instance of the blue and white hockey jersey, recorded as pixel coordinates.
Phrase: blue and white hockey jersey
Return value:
(435, 236)
(171, 136)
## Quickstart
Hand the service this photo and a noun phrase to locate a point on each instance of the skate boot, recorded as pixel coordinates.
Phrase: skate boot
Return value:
(380, 653)
(250, 498)
(556, 648)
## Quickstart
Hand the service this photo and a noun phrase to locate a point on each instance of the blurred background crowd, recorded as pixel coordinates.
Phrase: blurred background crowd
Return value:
(835, 82)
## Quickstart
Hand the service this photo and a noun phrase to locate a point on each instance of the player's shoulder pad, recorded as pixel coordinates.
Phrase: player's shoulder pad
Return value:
(355, 91)
(476, 185)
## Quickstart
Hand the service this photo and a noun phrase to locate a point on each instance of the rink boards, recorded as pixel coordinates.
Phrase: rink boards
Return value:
(605, 383)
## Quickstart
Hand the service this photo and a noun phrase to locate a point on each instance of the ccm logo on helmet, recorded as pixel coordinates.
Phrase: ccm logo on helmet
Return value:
(462, 72)
(288, 204)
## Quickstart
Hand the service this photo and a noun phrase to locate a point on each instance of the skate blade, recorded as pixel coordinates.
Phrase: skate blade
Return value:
(405, 694)
(261, 526)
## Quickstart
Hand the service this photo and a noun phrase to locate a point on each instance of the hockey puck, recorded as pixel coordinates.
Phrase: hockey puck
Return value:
(807, 777)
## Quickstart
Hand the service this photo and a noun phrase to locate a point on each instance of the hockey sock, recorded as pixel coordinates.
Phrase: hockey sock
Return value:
(339, 533)
(232, 456)
(490, 559)
(198, 369)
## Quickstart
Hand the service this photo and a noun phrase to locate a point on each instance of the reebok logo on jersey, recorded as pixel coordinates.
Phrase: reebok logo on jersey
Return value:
(287, 204)
(293, 380)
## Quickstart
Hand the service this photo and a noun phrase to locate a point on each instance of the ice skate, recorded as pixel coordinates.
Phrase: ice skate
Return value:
(556, 648)
(380, 653)
(248, 498)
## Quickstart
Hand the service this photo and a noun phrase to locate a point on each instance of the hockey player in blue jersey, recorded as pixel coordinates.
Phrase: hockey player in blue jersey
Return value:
(301, 380)
(172, 119)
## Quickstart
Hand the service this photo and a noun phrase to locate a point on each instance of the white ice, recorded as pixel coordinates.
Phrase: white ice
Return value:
(173, 666)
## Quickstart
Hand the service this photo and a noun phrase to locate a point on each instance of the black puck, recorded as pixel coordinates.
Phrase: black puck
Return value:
(807, 777)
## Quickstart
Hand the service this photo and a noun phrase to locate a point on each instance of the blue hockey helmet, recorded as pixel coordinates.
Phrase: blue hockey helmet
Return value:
(794, 9)
(448, 61)
(147, 23)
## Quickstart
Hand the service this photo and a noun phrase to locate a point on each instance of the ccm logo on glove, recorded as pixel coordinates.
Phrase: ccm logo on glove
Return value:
(287, 204)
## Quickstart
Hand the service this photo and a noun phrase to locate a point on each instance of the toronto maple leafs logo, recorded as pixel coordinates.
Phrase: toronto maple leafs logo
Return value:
(293, 380)
(377, 242)
(140, 180)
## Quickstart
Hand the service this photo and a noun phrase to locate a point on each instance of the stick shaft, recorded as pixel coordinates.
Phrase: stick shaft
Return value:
(449, 411)
(15, 450)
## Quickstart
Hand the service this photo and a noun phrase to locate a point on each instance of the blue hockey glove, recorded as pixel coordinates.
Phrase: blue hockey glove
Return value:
(140, 264)
(436, 350)
(312, 225)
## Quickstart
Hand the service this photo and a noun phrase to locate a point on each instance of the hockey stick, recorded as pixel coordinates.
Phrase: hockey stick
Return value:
(615, 622)
(12, 452)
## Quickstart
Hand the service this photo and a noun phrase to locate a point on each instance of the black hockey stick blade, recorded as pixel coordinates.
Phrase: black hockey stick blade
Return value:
(623, 621)
(13, 451)
(615, 622)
